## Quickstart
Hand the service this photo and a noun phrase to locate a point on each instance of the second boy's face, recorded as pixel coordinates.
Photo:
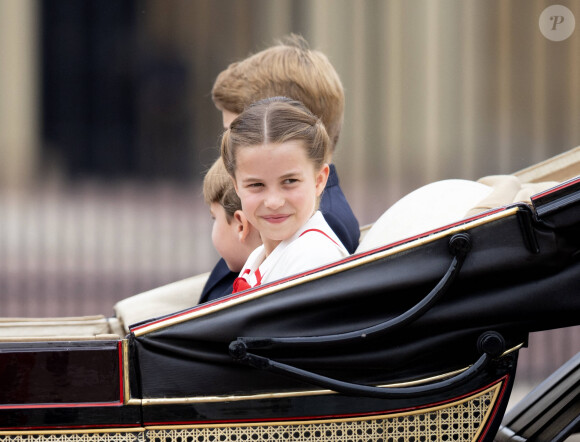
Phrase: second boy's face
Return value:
(278, 187)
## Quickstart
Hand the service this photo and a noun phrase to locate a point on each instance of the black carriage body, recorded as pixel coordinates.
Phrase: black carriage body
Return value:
(181, 376)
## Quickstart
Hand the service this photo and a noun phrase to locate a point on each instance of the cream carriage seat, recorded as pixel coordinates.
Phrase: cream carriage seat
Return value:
(160, 301)
(95, 327)
(431, 206)
(445, 202)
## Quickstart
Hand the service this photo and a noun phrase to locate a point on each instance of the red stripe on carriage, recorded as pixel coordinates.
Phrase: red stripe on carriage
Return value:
(556, 188)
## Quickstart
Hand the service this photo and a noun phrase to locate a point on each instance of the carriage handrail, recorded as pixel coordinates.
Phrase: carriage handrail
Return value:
(491, 344)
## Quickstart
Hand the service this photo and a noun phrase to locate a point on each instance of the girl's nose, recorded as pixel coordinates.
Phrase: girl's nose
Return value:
(274, 201)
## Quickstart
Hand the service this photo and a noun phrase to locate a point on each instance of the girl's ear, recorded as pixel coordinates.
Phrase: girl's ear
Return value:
(247, 233)
(243, 225)
(321, 179)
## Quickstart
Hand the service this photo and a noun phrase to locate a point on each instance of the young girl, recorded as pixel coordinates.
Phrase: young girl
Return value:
(275, 152)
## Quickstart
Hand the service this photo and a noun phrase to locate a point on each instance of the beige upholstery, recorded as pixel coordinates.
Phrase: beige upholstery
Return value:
(445, 202)
(507, 189)
(160, 301)
(429, 207)
(559, 168)
(153, 303)
(79, 327)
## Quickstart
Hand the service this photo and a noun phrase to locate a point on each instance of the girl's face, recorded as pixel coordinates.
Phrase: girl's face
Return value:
(278, 186)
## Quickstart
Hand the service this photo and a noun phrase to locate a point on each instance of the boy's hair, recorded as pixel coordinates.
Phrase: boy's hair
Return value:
(219, 188)
(275, 120)
(290, 69)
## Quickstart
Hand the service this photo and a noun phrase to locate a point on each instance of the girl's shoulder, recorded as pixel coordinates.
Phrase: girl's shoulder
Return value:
(308, 252)
(318, 231)
(316, 244)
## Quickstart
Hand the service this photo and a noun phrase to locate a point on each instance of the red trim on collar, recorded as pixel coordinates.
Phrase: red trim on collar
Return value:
(319, 231)
(240, 283)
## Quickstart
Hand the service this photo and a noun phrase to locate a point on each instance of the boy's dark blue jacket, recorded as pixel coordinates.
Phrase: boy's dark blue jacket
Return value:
(337, 214)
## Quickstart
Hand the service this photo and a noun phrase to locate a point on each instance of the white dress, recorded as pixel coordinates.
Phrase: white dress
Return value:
(313, 245)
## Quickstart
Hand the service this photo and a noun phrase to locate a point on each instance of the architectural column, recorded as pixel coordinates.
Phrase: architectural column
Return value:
(19, 98)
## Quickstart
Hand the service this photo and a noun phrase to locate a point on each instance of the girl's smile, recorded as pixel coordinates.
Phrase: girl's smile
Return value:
(279, 188)
(276, 219)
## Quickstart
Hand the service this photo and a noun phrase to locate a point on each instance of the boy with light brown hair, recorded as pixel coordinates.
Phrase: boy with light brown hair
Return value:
(290, 69)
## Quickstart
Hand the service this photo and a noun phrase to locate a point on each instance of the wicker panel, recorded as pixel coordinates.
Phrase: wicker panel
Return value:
(77, 436)
(459, 421)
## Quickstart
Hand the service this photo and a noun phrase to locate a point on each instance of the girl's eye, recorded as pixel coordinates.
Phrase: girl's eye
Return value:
(255, 185)
(290, 181)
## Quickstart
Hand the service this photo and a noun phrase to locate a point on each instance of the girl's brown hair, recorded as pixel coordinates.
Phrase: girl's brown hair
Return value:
(275, 120)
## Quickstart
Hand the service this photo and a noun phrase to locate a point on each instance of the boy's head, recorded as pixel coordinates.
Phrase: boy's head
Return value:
(289, 69)
(232, 235)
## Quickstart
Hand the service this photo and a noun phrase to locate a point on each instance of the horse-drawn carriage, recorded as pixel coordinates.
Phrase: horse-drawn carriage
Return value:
(415, 337)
